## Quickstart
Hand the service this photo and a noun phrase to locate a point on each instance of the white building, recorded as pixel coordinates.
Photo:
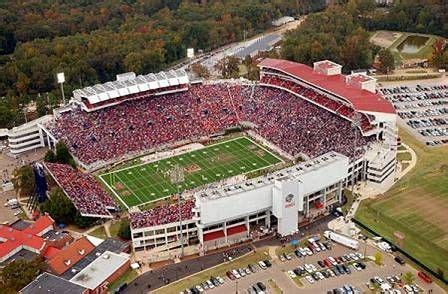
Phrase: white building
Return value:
(29, 136)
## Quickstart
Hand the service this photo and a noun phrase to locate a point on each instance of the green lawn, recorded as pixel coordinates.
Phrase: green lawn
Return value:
(100, 232)
(143, 183)
(417, 207)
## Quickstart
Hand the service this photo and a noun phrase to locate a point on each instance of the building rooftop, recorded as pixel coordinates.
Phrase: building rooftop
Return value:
(110, 244)
(70, 255)
(47, 283)
(12, 239)
(40, 225)
(129, 84)
(100, 269)
(361, 100)
(23, 254)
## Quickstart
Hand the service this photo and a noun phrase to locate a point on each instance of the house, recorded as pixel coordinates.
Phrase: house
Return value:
(105, 269)
(26, 242)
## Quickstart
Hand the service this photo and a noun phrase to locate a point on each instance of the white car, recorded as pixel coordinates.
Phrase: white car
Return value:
(262, 265)
(332, 260)
(320, 275)
(309, 279)
(282, 259)
(220, 280)
(292, 274)
(199, 288)
(288, 256)
(210, 284)
(236, 274)
(408, 289)
(308, 251)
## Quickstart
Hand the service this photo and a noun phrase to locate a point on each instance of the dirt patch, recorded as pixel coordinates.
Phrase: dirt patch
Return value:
(119, 186)
(126, 193)
(223, 158)
(192, 168)
(385, 38)
(252, 147)
(260, 153)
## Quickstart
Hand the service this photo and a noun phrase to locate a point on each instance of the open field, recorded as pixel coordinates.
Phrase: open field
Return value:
(417, 207)
(144, 183)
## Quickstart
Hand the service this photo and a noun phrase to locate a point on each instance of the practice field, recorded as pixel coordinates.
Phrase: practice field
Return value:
(416, 207)
(144, 183)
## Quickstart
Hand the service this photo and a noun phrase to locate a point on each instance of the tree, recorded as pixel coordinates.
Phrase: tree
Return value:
(50, 156)
(41, 106)
(378, 258)
(124, 231)
(200, 70)
(386, 60)
(437, 58)
(408, 278)
(229, 67)
(83, 221)
(59, 207)
(63, 155)
(24, 181)
(19, 273)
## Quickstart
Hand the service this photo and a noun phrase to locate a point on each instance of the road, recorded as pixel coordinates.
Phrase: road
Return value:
(265, 40)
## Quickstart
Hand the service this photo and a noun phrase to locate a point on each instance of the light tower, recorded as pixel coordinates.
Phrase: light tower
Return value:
(61, 80)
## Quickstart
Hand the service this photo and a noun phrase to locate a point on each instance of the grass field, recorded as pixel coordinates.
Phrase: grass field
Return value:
(144, 183)
(417, 206)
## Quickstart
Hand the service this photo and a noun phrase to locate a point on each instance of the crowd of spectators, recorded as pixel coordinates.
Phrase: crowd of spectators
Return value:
(295, 125)
(298, 126)
(162, 215)
(84, 191)
(145, 123)
(331, 104)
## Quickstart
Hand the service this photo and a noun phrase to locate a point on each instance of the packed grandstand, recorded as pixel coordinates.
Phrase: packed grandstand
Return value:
(295, 125)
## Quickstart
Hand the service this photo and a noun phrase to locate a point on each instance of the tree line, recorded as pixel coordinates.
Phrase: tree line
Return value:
(341, 32)
(92, 41)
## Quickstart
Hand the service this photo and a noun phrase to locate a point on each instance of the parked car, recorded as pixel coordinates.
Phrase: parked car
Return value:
(399, 260)
(425, 277)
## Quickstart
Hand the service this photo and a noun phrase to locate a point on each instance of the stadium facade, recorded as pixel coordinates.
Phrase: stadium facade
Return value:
(280, 201)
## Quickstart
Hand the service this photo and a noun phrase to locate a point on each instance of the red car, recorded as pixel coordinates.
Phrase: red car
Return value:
(425, 277)
(327, 263)
(230, 275)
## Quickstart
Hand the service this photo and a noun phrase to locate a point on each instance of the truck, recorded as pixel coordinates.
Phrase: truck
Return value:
(12, 203)
(342, 239)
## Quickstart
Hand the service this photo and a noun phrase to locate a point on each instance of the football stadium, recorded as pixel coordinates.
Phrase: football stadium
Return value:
(231, 159)
(147, 182)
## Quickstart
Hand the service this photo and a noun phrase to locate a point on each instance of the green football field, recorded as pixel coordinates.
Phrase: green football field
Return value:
(147, 182)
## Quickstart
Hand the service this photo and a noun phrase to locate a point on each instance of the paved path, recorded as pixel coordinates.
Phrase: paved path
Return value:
(155, 279)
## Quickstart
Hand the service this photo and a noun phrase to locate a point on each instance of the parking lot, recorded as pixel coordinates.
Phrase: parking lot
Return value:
(423, 109)
(358, 279)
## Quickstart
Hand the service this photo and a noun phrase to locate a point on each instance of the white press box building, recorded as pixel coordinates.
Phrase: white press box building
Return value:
(236, 212)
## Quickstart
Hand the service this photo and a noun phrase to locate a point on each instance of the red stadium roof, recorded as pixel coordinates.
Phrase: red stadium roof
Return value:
(362, 100)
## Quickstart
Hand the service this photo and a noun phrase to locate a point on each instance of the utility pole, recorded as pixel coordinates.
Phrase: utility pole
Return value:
(177, 177)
